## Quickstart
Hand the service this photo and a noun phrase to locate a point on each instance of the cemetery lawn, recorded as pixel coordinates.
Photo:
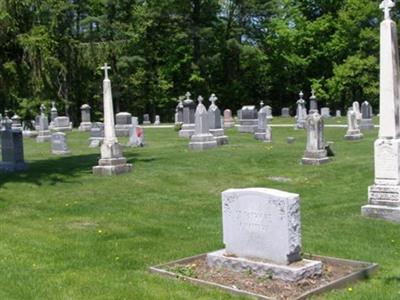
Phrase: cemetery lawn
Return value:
(66, 234)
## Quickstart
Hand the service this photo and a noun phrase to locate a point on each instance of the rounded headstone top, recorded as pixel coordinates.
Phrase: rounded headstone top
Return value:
(85, 106)
(15, 117)
(124, 114)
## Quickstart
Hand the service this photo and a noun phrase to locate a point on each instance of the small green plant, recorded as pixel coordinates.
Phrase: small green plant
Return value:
(187, 270)
(178, 126)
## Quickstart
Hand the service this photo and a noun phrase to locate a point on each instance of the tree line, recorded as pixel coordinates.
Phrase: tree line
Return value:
(245, 51)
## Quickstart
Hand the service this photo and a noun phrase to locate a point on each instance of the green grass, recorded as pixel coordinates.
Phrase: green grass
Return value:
(65, 234)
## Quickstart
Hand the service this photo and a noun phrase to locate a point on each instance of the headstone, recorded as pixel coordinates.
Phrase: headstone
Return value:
(202, 138)
(62, 124)
(384, 195)
(239, 114)
(53, 112)
(366, 117)
(214, 117)
(188, 126)
(268, 109)
(43, 127)
(12, 148)
(179, 111)
(228, 120)
(301, 113)
(315, 153)
(248, 120)
(146, 119)
(16, 122)
(338, 113)
(96, 135)
(59, 144)
(325, 112)
(285, 112)
(313, 103)
(157, 120)
(123, 124)
(263, 131)
(356, 109)
(262, 234)
(112, 161)
(353, 131)
(86, 123)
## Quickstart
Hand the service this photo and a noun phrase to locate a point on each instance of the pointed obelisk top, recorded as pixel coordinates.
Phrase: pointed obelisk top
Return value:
(387, 6)
(106, 68)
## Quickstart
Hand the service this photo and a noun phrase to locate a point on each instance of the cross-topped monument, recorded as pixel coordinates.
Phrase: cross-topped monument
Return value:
(188, 94)
(213, 99)
(387, 6)
(262, 104)
(106, 68)
(200, 99)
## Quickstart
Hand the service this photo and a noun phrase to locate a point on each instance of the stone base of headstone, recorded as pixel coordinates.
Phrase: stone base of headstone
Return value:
(265, 136)
(315, 158)
(85, 126)
(122, 130)
(383, 202)
(202, 142)
(29, 133)
(293, 272)
(146, 123)
(220, 136)
(156, 123)
(353, 135)
(187, 130)
(247, 126)
(112, 166)
(229, 124)
(62, 129)
(43, 136)
(366, 124)
(7, 167)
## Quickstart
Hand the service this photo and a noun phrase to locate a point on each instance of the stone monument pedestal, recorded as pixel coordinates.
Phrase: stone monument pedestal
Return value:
(85, 126)
(366, 124)
(353, 135)
(113, 162)
(292, 272)
(220, 136)
(247, 125)
(202, 142)
(43, 136)
(265, 136)
(317, 157)
(187, 130)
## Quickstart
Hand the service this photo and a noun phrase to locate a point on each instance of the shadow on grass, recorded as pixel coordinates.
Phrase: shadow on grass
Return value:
(59, 169)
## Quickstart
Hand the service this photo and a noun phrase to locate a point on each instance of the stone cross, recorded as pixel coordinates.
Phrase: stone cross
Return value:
(313, 94)
(188, 95)
(106, 68)
(386, 6)
(212, 99)
(262, 104)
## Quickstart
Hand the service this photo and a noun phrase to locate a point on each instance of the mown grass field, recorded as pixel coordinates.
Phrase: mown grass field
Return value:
(65, 234)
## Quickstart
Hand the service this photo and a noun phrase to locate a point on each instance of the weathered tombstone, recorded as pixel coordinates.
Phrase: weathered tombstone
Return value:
(228, 120)
(366, 117)
(313, 103)
(12, 148)
(179, 111)
(202, 138)
(239, 114)
(338, 113)
(123, 123)
(301, 113)
(37, 122)
(315, 153)
(268, 109)
(59, 144)
(214, 117)
(188, 126)
(157, 121)
(353, 131)
(384, 195)
(112, 161)
(53, 112)
(285, 112)
(146, 119)
(86, 123)
(263, 131)
(96, 135)
(16, 122)
(248, 120)
(262, 235)
(62, 124)
(43, 128)
(356, 109)
(325, 112)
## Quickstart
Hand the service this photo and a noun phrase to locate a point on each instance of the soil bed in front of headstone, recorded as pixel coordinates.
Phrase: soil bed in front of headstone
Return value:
(337, 273)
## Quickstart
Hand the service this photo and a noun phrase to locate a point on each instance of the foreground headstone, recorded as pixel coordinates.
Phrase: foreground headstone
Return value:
(43, 127)
(62, 124)
(301, 113)
(229, 122)
(353, 131)
(214, 117)
(248, 119)
(315, 153)
(263, 131)
(366, 117)
(12, 148)
(59, 144)
(384, 195)
(285, 112)
(112, 161)
(123, 123)
(86, 123)
(189, 108)
(262, 234)
(202, 138)
(96, 135)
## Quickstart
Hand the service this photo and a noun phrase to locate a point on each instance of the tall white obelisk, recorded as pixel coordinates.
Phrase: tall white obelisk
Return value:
(384, 195)
(112, 162)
